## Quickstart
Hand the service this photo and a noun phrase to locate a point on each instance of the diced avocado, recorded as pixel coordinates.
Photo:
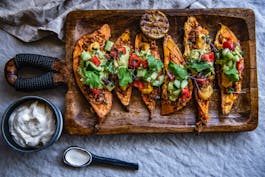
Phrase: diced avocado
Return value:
(170, 86)
(141, 73)
(176, 92)
(230, 63)
(148, 79)
(161, 78)
(177, 83)
(184, 83)
(124, 59)
(92, 67)
(158, 82)
(229, 55)
(110, 86)
(194, 54)
(108, 45)
(85, 56)
(225, 68)
(99, 54)
(116, 65)
(103, 75)
(236, 58)
(144, 53)
(174, 97)
(154, 75)
(224, 52)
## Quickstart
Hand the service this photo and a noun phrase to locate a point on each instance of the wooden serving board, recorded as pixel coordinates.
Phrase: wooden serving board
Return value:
(244, 116)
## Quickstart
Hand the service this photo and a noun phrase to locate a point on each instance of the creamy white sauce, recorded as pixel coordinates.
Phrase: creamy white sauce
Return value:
(32, 124)
(77, 157)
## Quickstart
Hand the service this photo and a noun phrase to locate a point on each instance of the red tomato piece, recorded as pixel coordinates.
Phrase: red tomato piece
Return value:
(95, 91)
(145, 63)
(134, 61)
(240, 65)
(114, 54)
(229, 45)
(186, 92)
(122, 50)
(209, 57)
(138, 84)
(95, 60)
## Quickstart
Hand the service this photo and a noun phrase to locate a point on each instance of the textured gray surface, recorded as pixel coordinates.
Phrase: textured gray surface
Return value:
(215, 154)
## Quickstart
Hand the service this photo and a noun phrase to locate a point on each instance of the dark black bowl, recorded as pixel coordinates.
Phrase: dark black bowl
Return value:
(5, 124)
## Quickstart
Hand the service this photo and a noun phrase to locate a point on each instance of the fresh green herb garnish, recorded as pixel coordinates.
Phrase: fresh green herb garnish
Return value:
(232, 73)
(124, 76)
(178, 70)
(196, 66)
(92, 79)
(154, 64)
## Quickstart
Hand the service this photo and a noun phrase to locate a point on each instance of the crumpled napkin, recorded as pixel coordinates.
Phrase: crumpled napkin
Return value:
(31, 20)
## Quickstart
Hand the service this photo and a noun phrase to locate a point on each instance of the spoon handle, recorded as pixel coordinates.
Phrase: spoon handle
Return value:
(114, 162)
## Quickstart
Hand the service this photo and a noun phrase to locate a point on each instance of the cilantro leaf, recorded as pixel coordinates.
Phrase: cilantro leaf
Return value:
(197, 66)
(232, 74)
(177, 70)
(92, 79)
(124, 76)
(154, 64)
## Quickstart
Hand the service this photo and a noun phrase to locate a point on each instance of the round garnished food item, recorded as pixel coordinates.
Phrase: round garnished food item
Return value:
(154, 24)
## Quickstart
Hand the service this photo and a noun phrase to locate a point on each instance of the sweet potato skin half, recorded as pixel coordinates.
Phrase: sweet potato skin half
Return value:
(170, 49)
(190, 26)
(101, 36)
(124, 95)
(149, 99)
(227, 100)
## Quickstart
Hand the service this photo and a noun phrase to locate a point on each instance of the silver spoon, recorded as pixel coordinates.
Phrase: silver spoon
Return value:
(78, 157)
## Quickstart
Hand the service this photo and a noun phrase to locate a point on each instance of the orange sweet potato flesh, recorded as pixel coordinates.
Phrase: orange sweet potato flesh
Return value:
(173, 54)
(227, 100)
(101, 36)
(148, 99)
(124, 95)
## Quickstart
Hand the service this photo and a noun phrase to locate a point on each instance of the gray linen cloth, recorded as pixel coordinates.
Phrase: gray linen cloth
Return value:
(37, 27)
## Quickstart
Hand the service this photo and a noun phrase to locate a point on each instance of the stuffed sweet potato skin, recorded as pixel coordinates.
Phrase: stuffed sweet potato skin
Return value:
(124, 95)
(228, 99)
(193, 39)
(101, 36)
(172, 54)
(151, 98)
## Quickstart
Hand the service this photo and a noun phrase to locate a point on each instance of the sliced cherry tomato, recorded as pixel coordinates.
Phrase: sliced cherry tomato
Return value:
(95, 91)
(209, 57)
(201, 81)
(138, 84)
(134, 61)
(186, 92)
(145, 63)
(95, 60)
(229, 45)
(240, 65)
(114, 54)
(122, 50)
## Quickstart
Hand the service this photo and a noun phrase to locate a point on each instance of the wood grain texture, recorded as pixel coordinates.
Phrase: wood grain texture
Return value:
(79, 119)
